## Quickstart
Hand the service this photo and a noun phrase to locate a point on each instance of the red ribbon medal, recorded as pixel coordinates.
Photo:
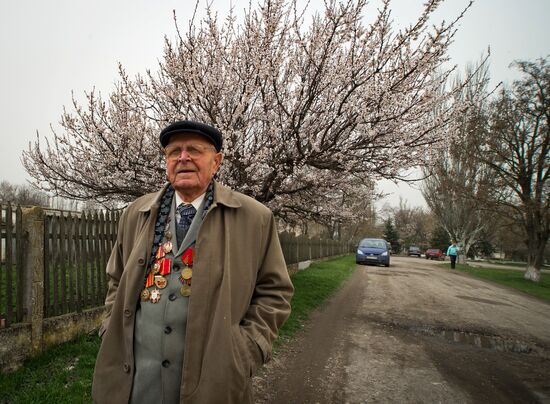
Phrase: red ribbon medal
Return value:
(164, 266)
(187, 257)
(150, 280)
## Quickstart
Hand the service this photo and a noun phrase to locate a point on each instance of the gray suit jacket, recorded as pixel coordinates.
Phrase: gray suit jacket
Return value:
(160, 329)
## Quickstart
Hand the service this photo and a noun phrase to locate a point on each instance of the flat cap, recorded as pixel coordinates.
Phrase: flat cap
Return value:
(209, 132)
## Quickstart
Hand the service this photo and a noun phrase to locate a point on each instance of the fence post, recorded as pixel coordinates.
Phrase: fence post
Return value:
(33, 229)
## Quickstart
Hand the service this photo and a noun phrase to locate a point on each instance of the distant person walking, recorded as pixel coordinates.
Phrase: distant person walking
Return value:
(452, 252)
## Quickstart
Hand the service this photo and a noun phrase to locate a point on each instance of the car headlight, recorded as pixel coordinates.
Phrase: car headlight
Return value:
(359, 252)
(385, 253)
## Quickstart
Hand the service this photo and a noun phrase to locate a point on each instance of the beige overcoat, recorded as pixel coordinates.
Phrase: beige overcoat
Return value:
(241, 296)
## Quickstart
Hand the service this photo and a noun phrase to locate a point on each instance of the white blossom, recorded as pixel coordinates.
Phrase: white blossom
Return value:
(311, 114)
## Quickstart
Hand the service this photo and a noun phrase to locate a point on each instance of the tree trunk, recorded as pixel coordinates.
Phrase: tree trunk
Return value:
(532, 274)
(535, 256)
(465, 244)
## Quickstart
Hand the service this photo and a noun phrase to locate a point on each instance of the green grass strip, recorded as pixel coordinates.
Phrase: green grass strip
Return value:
(511, 278)
(519, 265)
(63, 374)
(312, 287)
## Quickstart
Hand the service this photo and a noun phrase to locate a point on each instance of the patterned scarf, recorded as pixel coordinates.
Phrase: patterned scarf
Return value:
(163, 213)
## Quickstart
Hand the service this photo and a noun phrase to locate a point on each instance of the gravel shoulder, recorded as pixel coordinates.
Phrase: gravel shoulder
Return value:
(416, 333)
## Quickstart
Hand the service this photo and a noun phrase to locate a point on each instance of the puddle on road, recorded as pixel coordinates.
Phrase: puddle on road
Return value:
(487, 341)
(478, 339)
(494, 342)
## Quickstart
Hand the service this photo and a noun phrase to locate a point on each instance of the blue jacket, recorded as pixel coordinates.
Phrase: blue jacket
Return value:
(452, 250)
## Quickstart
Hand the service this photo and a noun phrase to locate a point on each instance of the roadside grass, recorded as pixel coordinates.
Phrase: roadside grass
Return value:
(64, 373)
(511, 263)
(511, 278)
(312, 286)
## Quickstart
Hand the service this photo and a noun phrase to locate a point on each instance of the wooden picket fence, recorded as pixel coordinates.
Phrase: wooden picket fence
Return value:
(76, 247)
(11, 268)
(76, 250)
(301, 248)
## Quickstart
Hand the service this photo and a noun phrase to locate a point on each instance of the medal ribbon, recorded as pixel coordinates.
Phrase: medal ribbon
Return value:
(164, 266)
(150, 280)
(187, 257)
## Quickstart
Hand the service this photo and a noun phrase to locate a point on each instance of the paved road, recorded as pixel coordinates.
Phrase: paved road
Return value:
(420, 334)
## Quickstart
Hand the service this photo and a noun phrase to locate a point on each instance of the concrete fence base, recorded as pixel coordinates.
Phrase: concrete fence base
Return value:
(17, 344)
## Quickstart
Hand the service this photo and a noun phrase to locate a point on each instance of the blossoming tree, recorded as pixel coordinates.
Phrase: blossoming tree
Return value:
(313, 106)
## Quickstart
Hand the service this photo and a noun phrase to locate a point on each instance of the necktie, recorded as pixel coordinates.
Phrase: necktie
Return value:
(187, 213)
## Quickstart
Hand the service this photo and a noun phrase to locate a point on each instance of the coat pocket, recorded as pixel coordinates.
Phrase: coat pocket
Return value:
(247, 350)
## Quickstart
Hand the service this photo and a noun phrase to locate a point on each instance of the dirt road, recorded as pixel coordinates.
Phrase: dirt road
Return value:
(416, 333)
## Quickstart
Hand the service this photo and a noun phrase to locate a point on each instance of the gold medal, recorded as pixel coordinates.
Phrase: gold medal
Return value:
(187, 273)
(167, 247)
(155, 296)
(160, 281)
(185, 290)
(156, 267)
(145, 295)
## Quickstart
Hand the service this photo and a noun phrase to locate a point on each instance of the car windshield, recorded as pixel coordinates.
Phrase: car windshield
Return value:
(432, 250)
(373, 244)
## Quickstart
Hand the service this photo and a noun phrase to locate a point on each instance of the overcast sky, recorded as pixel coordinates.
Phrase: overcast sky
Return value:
(50, 48)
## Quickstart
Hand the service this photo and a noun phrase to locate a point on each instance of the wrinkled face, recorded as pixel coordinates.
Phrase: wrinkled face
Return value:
(191, 162)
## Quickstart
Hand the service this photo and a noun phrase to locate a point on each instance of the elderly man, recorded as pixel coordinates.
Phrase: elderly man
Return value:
(198, 286)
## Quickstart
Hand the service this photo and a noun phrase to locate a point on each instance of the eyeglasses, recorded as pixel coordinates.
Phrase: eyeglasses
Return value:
(173, 153)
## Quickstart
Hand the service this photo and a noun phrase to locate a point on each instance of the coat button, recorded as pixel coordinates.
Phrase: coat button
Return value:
(167, 329)
(165, 363)
(176, 267)
(141, 261)
(127, 313)
(172, 297)
(126, 368)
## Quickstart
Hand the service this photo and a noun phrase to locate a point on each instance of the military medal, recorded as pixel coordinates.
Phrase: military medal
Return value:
(150, 280)
(155, 296)
(167, 247)
(185, 290)
(156, 267)
(160, 281)
(168, 235)
(187, 257)
(145, 295)
(187, 273)
(164, 266)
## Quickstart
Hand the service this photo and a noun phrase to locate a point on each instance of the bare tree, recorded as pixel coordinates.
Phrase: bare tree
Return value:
(517, 150)
(412, 223)
(458, 186)
(307, 111)
(8, 191)
(22, 194)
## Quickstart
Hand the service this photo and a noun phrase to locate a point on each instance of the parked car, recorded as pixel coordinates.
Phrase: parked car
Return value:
(373, 251)
(414, 251)
(434, 254)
